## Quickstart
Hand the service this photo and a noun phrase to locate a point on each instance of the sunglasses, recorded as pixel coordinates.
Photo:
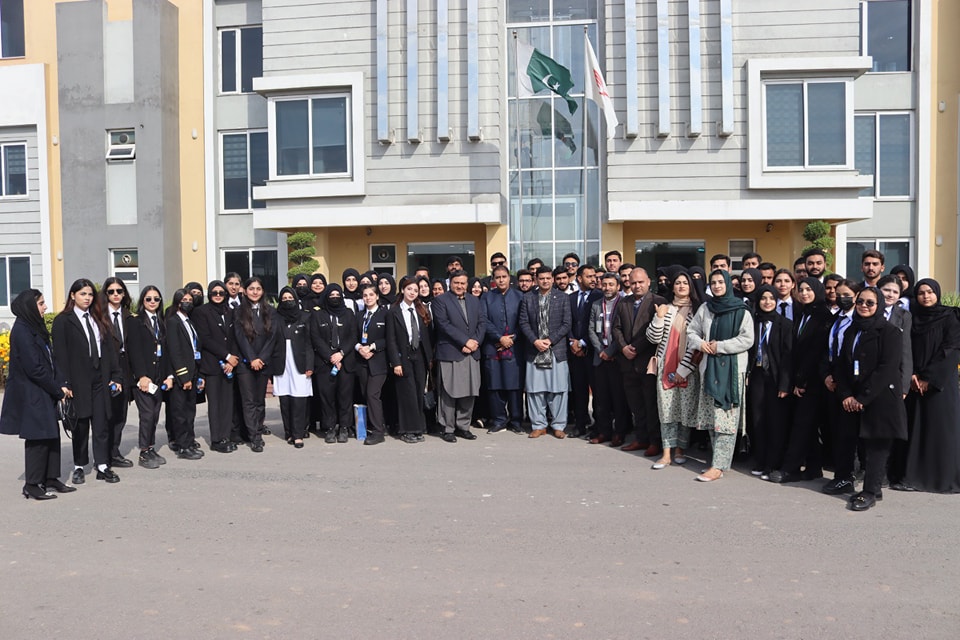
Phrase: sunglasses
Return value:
(217, 294)
(151, 299)
(869, 304)
(571, 264)
(115, 292)
(498, 264)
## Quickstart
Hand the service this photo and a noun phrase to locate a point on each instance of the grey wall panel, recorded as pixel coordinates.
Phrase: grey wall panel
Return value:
(414, 134)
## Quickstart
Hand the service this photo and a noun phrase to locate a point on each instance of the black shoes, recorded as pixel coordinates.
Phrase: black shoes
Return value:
(148, 459)
(412, 438)
(840, 486)
(77, 477)
(298, 444)
(223, 446)
(120, 461)
(497, 428)
(342, 435)
(864, 500)
(54, 484)
(189, 454)
(466, 435)
(108, 475)
(373, 439)
(256, 446)
(901, 486)
(449, 437)
(331, 437)
(37, 492)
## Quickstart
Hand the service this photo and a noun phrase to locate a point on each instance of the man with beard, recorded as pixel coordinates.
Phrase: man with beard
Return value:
(501, 351)
(581, 351)
(524, 280)
(871, 264)
(815, 262)
(612, 260)
(609, 400)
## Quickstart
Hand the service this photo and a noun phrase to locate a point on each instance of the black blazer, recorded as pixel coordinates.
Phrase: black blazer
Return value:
(453, 329)
(330, 333)
(142, 348)
(298, 333)
(180, 361)
(71, 352)
(121, 349)
(261, 348)
(779, 351)
(399, 352)
(216, 335)
(33, 387)
(580, 318)
(376, 338)
(810, 347)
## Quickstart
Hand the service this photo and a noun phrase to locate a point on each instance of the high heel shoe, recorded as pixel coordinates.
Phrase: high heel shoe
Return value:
(55, 485)
(36, 492)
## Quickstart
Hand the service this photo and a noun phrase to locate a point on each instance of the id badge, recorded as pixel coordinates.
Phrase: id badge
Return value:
(856, 367)
(159, 351)
(196, 355)
(363, 338)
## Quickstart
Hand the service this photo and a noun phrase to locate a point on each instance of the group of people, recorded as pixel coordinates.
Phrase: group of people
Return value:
(804, 374)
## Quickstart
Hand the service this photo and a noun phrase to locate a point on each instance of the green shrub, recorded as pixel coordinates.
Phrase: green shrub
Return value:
(817, 234)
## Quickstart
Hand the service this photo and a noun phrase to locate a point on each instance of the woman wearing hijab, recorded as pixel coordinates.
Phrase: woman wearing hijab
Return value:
(388, 290)
(333, 333)
(699, 277)
(218, 362)
(905, 275)
(292, 367)
(678, 380)
(318, 284)
(770, 383)
(183, 380)
(255, 331)
(868, 382)
(29, 404)
(933, 458)
(722, 330)
(196, 290)
(750, 279)
(301, 285)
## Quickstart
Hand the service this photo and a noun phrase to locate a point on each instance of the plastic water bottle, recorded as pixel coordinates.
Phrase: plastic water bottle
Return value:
(199, 386)
(229, 374)
(164, 387)
(334, 371)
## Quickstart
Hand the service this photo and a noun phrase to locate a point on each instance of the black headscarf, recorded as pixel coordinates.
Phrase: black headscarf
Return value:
(191, 286)
(700, 284)
(224, 303)
(292, 313)
(752, 297)
(387, 298)
(860, 323)
(338, 310)
(472, 282)
(766, 316)
(819, 294)
(911, 280)
(927, 318)
(427, 299)
(24, 306)
(355, 294)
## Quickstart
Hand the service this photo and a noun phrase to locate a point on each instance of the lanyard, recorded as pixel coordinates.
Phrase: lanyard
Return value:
(764, 335)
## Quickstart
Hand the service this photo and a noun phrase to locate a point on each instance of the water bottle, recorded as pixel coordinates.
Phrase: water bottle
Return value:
(334, 371)
(114, 389)
(223, 365)
(199, 386)
(164, 387)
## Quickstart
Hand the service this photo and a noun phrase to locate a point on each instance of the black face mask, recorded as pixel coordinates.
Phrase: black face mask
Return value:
(334, 303)
(288, 305)
(186, 307)
(302, 291)
(845, 302)
(197, 299)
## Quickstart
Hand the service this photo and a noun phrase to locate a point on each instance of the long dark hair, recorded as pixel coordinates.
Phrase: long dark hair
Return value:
(178, 296)
(105, 299)
(245, 311)
(142, 313)
(95, 310)
(419, 306)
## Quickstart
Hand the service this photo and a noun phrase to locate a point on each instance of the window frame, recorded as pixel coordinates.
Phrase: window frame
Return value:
(228, 132)
(865, 35)
(6, 275)
(281, 272)
(876, 155)
(272, 127)
(26, 169)
(23, 33)
(911, 248)
(238, 60)
(736, 263)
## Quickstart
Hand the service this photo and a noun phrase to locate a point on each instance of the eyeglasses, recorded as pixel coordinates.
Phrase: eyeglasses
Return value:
(115, 292)
(217, 294)
(571, 264)
(498, 264)
(151, 299)
(869, 304)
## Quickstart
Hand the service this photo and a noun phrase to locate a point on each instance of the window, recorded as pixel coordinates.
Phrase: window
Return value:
(254, 262)
(736, 249)
(13, 169)
(806, 123)
(885, 34)
(884, 151)
(125, 264)
(895, 251)
(11, 29)
(241, 58)
(312, 136)
(14, 277)
(244, 165)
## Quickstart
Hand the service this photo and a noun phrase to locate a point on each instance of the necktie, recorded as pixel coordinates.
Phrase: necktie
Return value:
(463, 306)
(783, 309)
(193, 334)
(636, 307)
(583, 300)
(94, 352)
(117, 331)
(156, 327)
(234, 304)
(835, 338)
(414, 330)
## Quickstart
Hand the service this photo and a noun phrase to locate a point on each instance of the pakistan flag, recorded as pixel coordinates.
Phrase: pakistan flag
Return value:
(536, 72)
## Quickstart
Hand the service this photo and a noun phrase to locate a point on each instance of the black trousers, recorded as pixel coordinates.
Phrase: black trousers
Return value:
(845, 427)
(641, 390)
(183, 413)
(253, 392)
(95, 424)
(505, 407)
(295, 412)
(148, 408)
(336, 398)
(878, 452)
(767, 420)
(118, 419)
(372, 386)
(237, 430)
(219, 406)
(581, 379)
(41, 460)
(803, 446)
(609, 400)
(410, 388)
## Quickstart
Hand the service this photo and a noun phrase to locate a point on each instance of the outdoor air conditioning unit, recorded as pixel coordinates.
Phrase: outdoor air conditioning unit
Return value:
(121, 145)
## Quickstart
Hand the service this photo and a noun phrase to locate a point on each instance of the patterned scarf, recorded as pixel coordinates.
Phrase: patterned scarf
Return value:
(544, 359)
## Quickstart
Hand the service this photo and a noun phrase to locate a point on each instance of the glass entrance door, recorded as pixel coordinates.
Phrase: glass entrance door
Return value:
(653, 254)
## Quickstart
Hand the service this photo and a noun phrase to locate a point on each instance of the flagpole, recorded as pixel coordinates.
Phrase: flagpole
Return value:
(585, 145)
(516, 91)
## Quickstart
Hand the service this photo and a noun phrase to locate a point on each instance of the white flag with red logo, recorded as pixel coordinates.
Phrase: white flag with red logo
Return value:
(595, 88)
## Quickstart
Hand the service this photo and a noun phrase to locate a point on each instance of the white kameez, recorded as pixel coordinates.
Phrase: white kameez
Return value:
(291, 382)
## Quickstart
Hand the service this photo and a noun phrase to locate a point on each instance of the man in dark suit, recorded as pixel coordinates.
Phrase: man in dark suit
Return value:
(460, 327)
(634, 314)
(609, 399)
(547, 373)
(581, 351)
(503, 352)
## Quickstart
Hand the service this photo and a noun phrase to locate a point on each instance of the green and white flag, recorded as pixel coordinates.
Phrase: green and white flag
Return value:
(536, 72)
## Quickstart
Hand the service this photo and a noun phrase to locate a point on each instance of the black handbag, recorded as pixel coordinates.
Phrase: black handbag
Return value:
(67, 415)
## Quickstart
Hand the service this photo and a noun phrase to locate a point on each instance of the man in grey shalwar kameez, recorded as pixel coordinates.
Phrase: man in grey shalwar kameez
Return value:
(460, 329)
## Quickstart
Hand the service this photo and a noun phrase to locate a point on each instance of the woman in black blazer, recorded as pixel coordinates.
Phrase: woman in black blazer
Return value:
(292, 367)
(255, 330)
(85, 354)
(769, 384)
(183, 375)
(146, 337)
(333, 332)
(218, 362)
(409, 364)
(868, 382)
(372, 371)
(33, 389)
(115, 302)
